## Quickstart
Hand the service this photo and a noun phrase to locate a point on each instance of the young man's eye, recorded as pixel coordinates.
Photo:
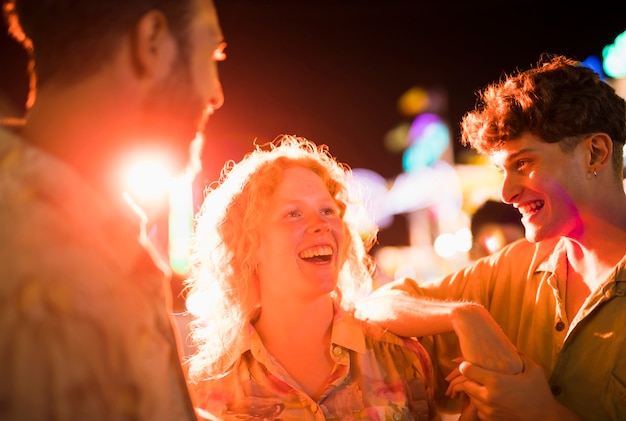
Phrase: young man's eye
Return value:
(521, 164)
(293, 214)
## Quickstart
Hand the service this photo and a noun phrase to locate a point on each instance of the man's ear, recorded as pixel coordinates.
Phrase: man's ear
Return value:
(153, 46)
(600, 150)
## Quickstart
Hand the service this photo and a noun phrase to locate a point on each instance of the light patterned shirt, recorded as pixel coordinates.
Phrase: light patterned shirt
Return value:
(376, 376)
(85, 332)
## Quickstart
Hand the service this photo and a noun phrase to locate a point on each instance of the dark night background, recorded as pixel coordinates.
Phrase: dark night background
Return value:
(333, 71)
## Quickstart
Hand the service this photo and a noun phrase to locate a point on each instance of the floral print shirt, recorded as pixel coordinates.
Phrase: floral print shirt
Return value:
(377, 376)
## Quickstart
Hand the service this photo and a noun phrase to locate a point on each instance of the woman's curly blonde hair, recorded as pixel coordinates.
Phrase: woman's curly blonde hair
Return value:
(227, 238)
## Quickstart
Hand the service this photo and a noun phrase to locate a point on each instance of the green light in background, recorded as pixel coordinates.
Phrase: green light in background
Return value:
(180, 224)
(614, 57)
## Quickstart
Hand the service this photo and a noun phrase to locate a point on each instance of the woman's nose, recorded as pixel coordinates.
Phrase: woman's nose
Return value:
(318, 224)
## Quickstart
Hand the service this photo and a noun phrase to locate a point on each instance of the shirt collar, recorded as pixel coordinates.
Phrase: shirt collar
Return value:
(557, 256)
(347, 332)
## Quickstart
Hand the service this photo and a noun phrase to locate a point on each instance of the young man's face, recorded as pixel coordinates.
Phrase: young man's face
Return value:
(548, 186)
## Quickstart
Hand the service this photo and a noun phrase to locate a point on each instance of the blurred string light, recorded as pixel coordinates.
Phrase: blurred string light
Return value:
(614, 57)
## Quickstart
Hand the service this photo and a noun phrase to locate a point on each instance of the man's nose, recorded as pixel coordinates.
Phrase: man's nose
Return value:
(216, 100)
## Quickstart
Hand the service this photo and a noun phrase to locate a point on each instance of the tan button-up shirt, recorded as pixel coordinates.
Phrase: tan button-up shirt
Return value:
(523, 287)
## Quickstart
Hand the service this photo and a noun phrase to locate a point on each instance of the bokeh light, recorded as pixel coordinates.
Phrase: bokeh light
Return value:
(614, 57)
(429, 138)
(147, 179)
(445, 245)
(396, 139)
(413, 101)
(372, 187)
(595, 64)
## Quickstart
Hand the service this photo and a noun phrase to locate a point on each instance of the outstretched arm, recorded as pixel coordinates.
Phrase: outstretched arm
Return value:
(481, 339)
(406, 315)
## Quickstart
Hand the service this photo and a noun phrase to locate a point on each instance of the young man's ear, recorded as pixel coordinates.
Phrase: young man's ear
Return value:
(600, 151)
(154, 47)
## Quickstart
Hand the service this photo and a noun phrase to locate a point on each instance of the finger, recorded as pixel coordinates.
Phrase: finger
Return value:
(454, 373)
(452, 389)
(474, 372)
(470, 388)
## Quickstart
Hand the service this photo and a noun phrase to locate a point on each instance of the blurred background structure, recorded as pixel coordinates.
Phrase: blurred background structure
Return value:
(384, 84)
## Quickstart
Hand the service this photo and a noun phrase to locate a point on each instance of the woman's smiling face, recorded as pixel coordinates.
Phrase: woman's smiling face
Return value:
(302, 241)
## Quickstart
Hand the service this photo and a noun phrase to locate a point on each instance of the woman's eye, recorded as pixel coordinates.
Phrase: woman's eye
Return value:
(328, 211)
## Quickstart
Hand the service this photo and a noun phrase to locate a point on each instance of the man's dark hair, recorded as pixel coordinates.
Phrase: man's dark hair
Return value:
(71, 39)
(559, 100)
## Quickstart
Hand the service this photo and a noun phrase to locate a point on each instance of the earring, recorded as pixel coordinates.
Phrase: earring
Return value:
(592, 174)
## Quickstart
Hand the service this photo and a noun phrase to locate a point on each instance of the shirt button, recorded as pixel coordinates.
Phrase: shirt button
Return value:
(397, 416)
(556, 390)
(619, 292)
(314, 408)
(337, 351)
(560, 326)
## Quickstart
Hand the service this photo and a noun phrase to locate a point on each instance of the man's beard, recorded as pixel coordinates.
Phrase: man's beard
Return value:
(173, 116)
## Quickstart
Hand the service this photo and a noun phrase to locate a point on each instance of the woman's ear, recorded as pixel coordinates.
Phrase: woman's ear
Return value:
(153, 46)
